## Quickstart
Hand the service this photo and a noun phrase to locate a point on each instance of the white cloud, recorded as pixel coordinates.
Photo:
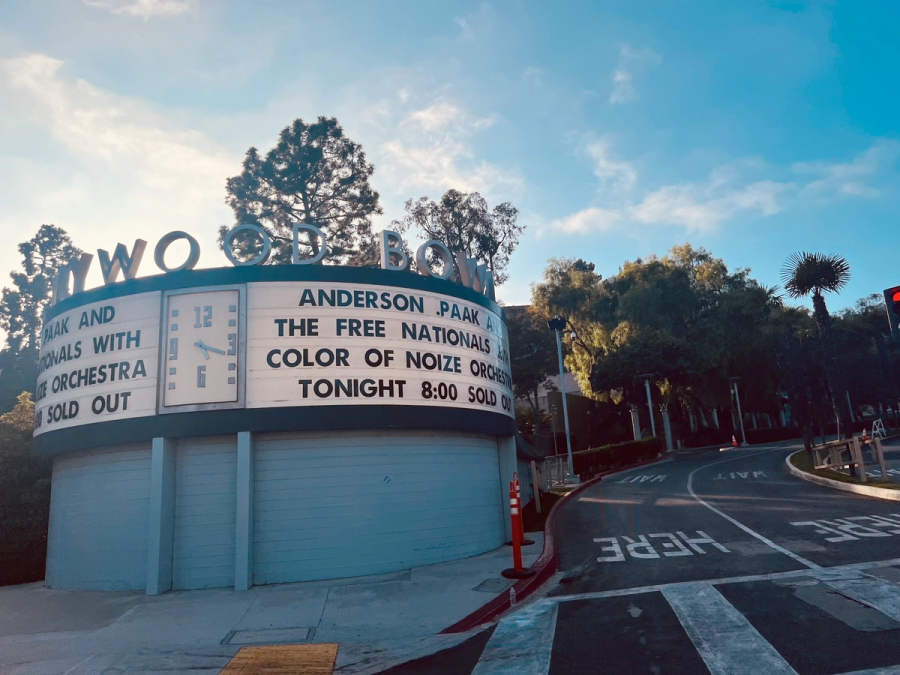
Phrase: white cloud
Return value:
(696, 206)
(109, 168)
(533, 75)
(631, 62)
(623, 90)
(591, 219)
(848, 179)
(466, 33)
(706, 205)
(432, 151)
(614, 174)
(141, 8)
(442, 114)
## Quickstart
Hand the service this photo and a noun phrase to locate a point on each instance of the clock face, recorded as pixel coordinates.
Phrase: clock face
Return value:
(201, 351)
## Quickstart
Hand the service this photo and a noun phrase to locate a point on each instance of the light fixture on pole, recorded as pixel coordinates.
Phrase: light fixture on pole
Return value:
(734, 388)
(646, 378)
(558, 325)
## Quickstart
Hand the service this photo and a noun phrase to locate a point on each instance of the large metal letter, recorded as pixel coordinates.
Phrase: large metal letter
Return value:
(474, 275)
(258, 260)
(78, 269)
(121, 261)
(443, 253)
(314, 231)
(387, 249)
(159, 254)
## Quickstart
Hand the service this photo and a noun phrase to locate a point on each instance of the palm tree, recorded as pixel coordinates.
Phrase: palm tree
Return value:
(804, 273)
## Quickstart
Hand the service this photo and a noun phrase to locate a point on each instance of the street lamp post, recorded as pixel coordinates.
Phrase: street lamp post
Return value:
(646, 378)
(559, 325)
(734, 384)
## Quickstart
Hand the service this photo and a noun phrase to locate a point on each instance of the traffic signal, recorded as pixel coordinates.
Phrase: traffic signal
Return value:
(892, 302)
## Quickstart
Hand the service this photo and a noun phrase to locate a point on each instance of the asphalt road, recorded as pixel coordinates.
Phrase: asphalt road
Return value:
(716, 563)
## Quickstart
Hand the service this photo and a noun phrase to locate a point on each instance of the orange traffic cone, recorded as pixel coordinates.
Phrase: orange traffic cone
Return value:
(734, 441)
(865, 436)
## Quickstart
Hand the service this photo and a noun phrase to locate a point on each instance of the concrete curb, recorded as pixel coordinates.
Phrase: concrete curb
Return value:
(545, 566)
(866, 490)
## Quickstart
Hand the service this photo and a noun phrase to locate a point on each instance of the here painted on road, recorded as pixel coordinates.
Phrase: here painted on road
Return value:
(642, 547)
(854, 528)
(652, 478)
(741, 475)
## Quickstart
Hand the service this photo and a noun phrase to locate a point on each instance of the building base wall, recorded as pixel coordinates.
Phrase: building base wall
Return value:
(307, 506)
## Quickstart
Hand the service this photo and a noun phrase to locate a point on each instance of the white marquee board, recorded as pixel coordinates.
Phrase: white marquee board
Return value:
(270, 344)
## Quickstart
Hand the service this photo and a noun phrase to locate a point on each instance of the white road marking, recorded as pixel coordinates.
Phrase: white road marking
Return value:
(825, 573)
(890, 670)
(741, 474)
(852, 529)
(652, 478)
(800, 559)
(877, 593)
(521, 643)
(642, 548)
(727, 642)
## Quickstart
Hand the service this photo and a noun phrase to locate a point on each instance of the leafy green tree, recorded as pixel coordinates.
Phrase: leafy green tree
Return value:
(315, 175)
(21, 418)
(24, 498)
(532, 349)
(684, 317)
(464, 222)
(22, 308)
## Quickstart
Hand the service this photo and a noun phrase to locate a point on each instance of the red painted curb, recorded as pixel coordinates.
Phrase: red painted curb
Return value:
(545, 566)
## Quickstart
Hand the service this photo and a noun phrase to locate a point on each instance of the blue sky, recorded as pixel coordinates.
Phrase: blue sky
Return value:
(618, 128)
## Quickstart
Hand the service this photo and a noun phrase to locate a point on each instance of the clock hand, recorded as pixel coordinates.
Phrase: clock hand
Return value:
(203, 347)
(206, 349)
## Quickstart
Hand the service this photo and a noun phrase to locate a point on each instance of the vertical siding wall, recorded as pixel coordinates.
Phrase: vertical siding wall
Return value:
(205, 475)
(98, 520)
(342, 505)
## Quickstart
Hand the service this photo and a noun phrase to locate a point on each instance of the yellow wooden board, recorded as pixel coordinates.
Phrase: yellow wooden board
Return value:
(283, 660)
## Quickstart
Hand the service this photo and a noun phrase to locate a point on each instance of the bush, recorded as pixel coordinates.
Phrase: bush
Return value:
(24, 498)
(773, 435)
(593, 461)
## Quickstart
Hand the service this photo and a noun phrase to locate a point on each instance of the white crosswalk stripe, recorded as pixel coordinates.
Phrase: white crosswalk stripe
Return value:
(878, 593)
(522, 643)
(727, 642)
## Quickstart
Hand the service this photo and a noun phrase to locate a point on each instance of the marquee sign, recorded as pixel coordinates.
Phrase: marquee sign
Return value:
(273, 338)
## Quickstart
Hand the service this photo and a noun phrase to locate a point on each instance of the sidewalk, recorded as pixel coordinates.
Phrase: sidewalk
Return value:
(378, 621)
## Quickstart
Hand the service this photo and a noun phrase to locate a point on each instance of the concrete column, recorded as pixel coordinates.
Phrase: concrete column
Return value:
(243, 537)
(160, 541)
(636, 423)
(667, 428)
(506, 453)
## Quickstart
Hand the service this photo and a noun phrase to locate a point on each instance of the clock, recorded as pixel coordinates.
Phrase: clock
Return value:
(202, 352)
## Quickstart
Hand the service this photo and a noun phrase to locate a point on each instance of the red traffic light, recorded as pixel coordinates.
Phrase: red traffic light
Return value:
(892, 305)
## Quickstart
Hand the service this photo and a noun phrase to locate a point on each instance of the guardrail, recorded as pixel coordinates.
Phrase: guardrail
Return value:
(850, 452)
